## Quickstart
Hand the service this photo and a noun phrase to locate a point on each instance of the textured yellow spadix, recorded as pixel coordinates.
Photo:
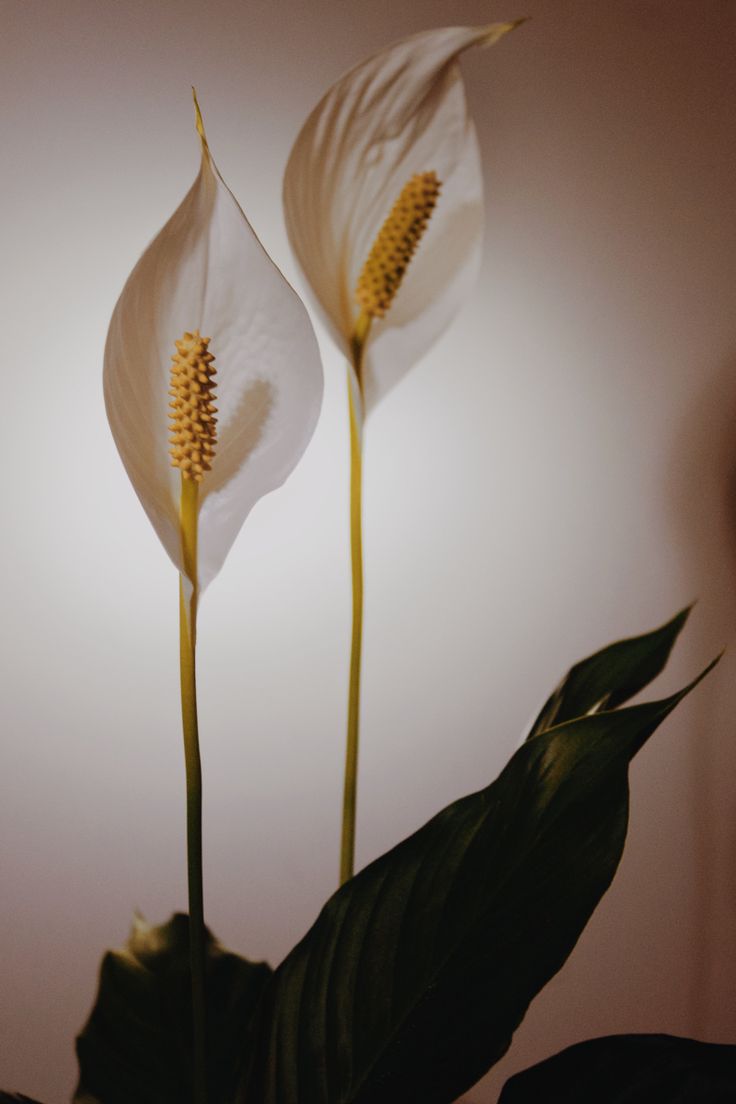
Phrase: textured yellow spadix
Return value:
(193, 432)
(396, 243)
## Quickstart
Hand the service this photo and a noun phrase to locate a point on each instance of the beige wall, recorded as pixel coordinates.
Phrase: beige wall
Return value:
(558, 472)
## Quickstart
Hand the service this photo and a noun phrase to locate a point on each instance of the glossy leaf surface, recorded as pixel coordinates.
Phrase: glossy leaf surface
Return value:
(630, 1069)
(417, 972)
(610, 677)
(136, 1045)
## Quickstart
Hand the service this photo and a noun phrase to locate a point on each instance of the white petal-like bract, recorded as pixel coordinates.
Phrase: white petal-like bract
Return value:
(401, 112)
(207, 271)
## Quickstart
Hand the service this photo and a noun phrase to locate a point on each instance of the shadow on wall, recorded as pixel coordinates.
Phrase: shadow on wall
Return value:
(702, 497)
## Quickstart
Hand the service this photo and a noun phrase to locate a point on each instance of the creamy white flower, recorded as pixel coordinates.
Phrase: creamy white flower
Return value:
(207, 271)
(401, 112)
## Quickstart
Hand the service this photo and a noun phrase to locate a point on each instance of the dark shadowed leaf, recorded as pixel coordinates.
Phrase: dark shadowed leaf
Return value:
(611, 676)
(630, 1069)
(417, 972)
(137, 1043)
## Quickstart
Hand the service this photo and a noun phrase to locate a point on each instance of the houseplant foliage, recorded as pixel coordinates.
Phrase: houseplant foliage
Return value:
(417, 971)
(415, 975)
(630, 1069)
(199, 468)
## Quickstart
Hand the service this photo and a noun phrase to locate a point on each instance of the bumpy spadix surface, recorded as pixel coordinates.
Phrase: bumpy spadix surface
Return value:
(401, 112)
(193, 422)
(206, 272)
(397, 240)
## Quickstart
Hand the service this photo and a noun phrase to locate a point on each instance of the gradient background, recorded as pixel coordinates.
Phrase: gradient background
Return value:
(557, 473)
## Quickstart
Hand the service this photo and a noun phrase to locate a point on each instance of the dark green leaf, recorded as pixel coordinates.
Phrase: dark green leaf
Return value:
(137, 1043)
(630, 1069)
(415, 975)
(610, 677)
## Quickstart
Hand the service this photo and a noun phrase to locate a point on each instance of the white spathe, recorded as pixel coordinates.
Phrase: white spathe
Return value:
(401, 112)
(207, 270)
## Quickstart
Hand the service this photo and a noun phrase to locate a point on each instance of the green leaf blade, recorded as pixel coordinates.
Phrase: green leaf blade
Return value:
(630, 1069)
(611, 676)
(16, 1098)
(137, 1043)
(414, 977)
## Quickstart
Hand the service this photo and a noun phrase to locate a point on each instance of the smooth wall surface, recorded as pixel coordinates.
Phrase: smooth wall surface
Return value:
(558, 472)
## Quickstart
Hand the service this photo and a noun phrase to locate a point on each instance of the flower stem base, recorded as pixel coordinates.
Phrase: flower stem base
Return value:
(187, 649)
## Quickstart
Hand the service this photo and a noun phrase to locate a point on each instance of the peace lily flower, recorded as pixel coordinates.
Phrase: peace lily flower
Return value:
(400, 113)
(207, 275)
(383, 198)
(213, 385)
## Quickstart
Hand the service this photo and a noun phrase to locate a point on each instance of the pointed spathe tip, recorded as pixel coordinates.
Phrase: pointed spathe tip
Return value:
(491, 34)
(199, 123)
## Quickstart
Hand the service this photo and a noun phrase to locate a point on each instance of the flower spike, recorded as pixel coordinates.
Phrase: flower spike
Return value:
(194, 432)
(388, 118)
(397, 240)
(374, 129)
(207, 273)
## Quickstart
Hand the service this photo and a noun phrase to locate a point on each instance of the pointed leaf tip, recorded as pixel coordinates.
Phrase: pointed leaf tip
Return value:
(468, 916)
(611, 676)
(706, 671)
(669, 703)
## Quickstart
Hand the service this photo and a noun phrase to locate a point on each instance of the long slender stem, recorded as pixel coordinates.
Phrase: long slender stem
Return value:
(187, 652)
(347, 849)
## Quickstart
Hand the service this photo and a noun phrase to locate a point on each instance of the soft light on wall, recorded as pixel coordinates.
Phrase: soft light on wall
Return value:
(557, 472)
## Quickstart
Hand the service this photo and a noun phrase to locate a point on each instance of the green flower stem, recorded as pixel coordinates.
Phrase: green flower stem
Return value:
(187, 642)
(347, 848)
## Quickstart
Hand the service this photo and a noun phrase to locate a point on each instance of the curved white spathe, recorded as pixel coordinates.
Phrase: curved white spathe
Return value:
(401, 112)
(206, 270)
